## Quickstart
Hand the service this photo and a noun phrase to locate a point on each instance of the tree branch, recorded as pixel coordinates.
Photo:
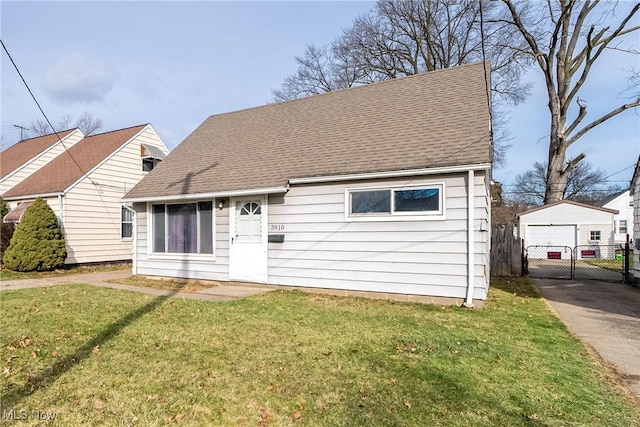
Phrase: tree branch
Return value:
(602, 119)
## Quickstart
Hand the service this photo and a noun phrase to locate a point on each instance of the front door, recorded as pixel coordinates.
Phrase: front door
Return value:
(247, 240)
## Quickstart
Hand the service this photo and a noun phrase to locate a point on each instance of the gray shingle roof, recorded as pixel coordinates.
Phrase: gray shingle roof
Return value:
(435, 119)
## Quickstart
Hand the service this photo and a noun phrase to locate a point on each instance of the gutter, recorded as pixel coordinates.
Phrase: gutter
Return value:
(390, 174)
(185, 197)
(33, 196)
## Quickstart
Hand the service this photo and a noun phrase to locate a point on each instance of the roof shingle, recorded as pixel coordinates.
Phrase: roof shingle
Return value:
(63, 171)
(23, 151)
(435, 119)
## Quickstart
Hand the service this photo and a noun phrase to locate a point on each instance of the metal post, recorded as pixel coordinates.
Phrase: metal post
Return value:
(626, 260)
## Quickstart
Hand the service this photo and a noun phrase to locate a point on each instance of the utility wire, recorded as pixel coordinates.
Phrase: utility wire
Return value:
(486, 76)
(42, 111)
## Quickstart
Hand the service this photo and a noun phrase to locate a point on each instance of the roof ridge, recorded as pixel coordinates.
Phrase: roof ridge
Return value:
(116, 130)
(43, 136)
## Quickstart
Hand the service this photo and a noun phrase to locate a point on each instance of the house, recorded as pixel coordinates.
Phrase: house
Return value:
(634, 193)
(22, 159)
(623, 221)
(379, 188)
(570, 228)
(84, 184)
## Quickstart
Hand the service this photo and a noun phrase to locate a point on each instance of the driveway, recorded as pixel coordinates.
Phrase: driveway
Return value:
(603, 314)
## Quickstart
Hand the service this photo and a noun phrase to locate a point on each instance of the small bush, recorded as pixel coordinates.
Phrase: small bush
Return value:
(4, 209)
(37, 243)
(6, 232)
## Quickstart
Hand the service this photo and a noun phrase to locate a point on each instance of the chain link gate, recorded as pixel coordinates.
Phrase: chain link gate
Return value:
(599, 262)
(549, 262)
(585, 262)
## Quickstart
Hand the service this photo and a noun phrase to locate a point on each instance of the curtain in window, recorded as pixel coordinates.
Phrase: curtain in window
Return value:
(183, 228)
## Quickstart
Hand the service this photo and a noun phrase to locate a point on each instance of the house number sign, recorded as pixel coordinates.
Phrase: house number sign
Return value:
(276, 227)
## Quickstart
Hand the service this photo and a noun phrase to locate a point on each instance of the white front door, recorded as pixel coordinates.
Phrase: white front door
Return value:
(248, 240)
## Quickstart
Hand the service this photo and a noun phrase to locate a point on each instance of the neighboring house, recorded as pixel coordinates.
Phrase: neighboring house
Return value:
(22, 159)
(623, 221)
(634, 190)
(84, 185)
(566, 224)
(379, 188)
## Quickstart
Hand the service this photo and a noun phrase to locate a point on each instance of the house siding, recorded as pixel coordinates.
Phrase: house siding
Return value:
(42, 159)
(636, 225)
(423, 257)
(622, 204)
(216, 268)
(92, 207)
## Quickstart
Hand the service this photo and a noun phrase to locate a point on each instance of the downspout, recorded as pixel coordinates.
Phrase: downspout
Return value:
(470, 239)
(61, 214)
(134, 264)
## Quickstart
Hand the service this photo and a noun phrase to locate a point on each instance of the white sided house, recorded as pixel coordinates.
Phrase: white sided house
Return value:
(623, 221)
(84, 185)
(382, 188)
(555, 230)
(634, 190)
(25, 157)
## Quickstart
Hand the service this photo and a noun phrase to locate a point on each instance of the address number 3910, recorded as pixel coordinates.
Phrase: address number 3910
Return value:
(276, 227)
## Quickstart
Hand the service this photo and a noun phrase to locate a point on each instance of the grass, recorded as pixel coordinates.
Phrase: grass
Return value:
(96, 356)
(14, 275)
(609, 264)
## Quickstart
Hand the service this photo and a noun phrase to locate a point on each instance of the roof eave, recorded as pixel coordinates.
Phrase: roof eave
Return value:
(390, 174)
(200, 196)
(32, 196)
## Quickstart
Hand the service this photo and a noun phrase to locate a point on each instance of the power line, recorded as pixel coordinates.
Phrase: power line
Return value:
(42, 111)
(486, 76)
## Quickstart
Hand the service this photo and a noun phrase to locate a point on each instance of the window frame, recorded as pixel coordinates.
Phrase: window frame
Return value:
(180, 255)
(153, 160)
(123, 222)
(592, 234)
(626, 227)
(394, 215)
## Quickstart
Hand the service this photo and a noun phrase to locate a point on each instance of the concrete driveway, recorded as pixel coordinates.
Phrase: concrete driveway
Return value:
(603, 314)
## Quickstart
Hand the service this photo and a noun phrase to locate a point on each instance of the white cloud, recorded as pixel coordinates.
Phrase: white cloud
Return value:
(76, 78)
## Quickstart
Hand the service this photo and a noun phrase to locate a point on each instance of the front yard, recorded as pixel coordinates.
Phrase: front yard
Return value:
(95, 356)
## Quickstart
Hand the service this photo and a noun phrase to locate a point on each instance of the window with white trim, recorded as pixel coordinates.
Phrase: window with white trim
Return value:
(622, 226)
(594, 235)
(389, 202)
(183, 228)
(126, 220)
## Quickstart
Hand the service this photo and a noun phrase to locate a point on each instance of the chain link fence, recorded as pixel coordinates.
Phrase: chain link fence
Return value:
(590, 262)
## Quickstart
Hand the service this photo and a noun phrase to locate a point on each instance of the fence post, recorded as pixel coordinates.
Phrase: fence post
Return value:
(626, 260)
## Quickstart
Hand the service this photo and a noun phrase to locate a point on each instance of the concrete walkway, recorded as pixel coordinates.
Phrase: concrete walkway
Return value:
(222, 292)
(606, 316)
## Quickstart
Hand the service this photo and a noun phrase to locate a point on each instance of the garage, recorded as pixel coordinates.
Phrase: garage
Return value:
(560, 237)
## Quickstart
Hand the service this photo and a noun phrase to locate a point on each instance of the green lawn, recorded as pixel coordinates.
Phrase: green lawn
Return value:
(609, 264)
(13, 275)
(96, 356)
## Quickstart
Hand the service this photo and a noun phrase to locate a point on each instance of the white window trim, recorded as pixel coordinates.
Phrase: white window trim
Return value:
(595, 240)
(174, 256)
(133, 219)
(439, 215)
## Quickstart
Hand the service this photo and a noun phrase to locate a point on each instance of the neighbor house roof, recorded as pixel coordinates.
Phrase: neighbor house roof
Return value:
(435, 119)
(568, 202)
(610, 198)
(636, 175)
(67, 168)
(23, 151)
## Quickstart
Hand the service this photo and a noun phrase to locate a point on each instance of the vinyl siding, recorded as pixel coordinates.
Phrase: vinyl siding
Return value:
(216, 268)
(38, 162)
(622, 204)
(636, 228)
(424, 257)
(92, 206)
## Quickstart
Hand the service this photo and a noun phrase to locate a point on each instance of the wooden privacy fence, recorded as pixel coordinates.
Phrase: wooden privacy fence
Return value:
(506, 251)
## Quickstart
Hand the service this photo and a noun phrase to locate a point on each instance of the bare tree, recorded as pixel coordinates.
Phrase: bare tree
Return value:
(565, 38)
(583, 183)
(398, 39)
(87, 123)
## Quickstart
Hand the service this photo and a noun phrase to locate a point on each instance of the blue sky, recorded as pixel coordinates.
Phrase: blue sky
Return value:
(172, 64)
